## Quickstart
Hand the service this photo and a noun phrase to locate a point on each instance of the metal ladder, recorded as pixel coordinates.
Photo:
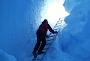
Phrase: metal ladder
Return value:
(50, 40)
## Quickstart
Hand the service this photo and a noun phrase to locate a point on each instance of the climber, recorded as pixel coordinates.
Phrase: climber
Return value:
(41, 37)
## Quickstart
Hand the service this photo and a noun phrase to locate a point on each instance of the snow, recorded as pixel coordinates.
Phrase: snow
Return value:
(20, 19)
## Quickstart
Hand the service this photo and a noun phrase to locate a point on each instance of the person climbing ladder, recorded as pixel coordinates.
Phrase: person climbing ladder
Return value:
(41, 37)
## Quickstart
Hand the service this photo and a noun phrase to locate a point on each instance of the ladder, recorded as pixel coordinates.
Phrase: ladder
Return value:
(49, 41)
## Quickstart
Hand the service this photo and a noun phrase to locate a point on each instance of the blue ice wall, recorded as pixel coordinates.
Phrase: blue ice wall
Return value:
(70, 4)
(17, 25)
(19, 21)
(6, 57)
(75, 38)
(12, 18)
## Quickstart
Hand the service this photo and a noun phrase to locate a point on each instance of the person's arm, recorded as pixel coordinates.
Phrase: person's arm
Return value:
(51, 30)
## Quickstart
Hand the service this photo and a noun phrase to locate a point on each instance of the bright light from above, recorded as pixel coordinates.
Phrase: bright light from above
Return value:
(53, 10)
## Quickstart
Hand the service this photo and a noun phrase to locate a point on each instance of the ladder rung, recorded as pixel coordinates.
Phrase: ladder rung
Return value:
(50, 39)
(51, 36)
(48, 43)
(57, 26)
(46, 48)
(55, 29)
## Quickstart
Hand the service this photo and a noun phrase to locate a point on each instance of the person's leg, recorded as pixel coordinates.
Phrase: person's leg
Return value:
(42, 45)
(37, 44)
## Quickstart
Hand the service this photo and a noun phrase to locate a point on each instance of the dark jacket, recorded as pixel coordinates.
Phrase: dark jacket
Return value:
(43, 28)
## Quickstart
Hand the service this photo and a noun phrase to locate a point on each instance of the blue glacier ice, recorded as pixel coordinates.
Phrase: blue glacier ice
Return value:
(19, 20)
(6, 57)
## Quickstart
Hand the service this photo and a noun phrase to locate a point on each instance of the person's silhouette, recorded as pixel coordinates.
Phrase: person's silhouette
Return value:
(41, 37)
